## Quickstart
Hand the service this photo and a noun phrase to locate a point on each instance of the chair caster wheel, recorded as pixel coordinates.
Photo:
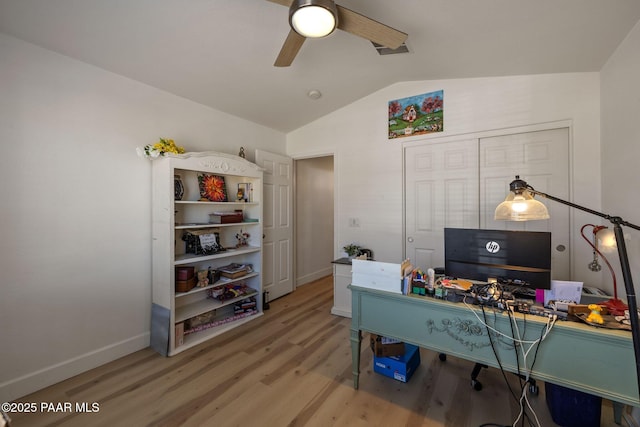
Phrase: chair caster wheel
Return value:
(443, 357)
(477, 385)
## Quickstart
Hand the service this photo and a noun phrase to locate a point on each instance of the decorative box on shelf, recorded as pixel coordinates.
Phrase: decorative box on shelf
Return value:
(185, 279)
(226, 217)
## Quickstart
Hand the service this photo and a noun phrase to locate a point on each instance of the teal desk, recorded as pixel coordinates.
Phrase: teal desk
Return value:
(575, 355)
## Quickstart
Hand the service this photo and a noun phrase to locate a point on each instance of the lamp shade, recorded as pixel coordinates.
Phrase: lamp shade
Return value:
(313, 18)
(606, 239)
(521, 207)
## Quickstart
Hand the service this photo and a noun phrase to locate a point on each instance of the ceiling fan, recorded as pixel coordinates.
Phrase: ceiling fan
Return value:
(335, 16)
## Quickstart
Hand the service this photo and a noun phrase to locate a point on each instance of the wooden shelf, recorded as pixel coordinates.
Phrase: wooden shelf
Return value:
(205, 305)
(210, 225)
(222, 281)
(199, 337)
(197, 202)
(191, 258)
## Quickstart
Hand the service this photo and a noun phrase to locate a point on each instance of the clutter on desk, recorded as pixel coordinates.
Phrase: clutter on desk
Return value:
(563, 290)
(608, 322)
(502, 294)
(382, 276)
(583, 313)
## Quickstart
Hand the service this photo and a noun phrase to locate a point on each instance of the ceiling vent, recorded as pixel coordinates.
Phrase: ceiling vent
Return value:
(386, 51)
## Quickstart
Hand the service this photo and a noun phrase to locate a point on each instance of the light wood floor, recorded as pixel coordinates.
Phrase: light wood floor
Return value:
(291, 367)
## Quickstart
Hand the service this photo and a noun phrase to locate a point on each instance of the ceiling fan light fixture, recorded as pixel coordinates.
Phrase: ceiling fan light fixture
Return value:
(313, 18)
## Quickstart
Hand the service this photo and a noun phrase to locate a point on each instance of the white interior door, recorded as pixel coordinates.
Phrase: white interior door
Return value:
(441, 190)
(277, 244)
(542, 159)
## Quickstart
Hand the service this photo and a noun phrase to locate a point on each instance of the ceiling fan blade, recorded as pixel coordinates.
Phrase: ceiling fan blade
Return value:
(282, 2)
(290, 49)
(355, 23)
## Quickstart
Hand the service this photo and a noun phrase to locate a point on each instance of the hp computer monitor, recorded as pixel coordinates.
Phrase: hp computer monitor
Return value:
(499, 254)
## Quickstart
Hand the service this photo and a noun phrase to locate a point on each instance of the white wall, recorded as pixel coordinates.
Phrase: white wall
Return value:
(75, 211)
(368, 166)
(621, 145)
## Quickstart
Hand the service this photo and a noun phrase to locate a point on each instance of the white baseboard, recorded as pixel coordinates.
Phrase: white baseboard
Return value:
(308, 278)
(34, 381)
(341, 312)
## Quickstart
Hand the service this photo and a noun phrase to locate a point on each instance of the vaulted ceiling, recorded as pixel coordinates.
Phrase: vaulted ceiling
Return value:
(220, 53)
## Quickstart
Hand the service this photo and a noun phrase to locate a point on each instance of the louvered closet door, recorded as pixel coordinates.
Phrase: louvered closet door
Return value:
(542, 159)
(441, 190)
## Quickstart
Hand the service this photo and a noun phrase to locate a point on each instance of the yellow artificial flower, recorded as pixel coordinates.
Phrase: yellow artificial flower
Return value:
(161, 147)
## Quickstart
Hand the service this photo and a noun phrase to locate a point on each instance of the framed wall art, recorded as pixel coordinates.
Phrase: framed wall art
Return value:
(416, 115)
(212, 187)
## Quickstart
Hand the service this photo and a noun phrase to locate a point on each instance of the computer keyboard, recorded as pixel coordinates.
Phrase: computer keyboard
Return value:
(518, 291)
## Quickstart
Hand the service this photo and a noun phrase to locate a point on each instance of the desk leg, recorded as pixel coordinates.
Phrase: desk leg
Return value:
(356, 339)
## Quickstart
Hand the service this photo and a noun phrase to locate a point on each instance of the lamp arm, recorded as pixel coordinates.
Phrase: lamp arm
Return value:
(624, 266)
(613, 219)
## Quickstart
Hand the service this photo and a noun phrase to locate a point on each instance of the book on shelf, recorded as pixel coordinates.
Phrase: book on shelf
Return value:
(179, 334)
(234, 270)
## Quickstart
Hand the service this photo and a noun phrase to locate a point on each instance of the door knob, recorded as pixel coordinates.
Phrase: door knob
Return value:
(410, 239)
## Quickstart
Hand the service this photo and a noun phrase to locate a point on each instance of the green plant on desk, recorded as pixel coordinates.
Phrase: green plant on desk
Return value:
(352, 249)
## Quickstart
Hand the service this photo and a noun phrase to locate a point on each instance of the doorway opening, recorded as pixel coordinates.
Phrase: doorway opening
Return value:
(313, 218)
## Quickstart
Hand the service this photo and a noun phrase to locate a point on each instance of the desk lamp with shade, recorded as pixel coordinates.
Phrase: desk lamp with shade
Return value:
(520, 205)
(605, 240)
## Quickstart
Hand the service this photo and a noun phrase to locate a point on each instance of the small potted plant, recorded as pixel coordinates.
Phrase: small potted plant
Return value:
(352, 250)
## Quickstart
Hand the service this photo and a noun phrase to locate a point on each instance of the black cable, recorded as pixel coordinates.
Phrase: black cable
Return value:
(506, 380)
(519, 374)
(535, 355)
(515, 348)
(495, 353)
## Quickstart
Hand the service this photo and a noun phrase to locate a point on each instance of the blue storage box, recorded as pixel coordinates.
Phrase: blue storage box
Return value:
(572, 408)
(399, 368)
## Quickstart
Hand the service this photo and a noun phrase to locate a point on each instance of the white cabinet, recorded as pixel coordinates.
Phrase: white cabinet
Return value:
(341, 294)
(183, 238)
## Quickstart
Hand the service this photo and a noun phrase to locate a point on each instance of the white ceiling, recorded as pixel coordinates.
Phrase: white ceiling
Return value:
(221, 52)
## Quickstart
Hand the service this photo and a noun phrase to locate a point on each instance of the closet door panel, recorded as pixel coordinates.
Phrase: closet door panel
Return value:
(441, 190)
(542, 159)
(460, 183)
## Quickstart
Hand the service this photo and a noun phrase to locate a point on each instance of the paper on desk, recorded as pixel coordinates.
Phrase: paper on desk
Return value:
(562, 290)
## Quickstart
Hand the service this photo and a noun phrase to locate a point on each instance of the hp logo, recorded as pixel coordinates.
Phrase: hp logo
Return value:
(493, 247)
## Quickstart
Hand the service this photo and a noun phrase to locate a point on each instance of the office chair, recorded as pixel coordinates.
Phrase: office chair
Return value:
(477, 385)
